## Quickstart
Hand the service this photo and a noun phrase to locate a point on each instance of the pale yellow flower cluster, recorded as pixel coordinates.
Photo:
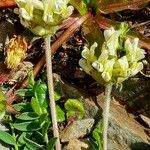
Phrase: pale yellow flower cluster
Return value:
(42, 17)
(119, 59)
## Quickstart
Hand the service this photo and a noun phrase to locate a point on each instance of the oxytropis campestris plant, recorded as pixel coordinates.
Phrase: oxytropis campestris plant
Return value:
(43, 17)
(119, 60)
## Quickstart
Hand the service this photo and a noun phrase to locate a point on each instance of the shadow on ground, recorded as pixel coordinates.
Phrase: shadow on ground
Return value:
(140, 146)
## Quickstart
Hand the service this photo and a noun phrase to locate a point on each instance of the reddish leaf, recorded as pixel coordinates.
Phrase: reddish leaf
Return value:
(92, 33)
(4, 73)
(7, 3)
(110, 6)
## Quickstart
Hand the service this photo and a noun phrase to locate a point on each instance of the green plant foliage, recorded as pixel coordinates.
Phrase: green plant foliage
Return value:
(57, 95)
(32, 145)
(27, 126)
(45, 127)
(23, 107)
(92, 4)
(79, 5)
(2, 102)
(31, 81)
(28, 116)
(60, 114)
(7, 138)
(74, 108)
(21, 138)
(51, 143)
(96, 140)
(36, 106)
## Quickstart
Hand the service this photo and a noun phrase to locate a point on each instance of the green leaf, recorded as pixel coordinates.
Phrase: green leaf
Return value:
(36, 106)
(57, 96)
(92, 4)
(21, 140)
(23, 107)
(44, 118)
(60, 114)
(30, 80)
(79, 5)
(2, 102)
(96, 141)
(39, 136)
(74, 108)
(45, 128)
(94, 145)
(51, 143)
(33, 145)
(27, 126)
(2, 106)
(2, 96)
(24, 92)
(28, 116)
(41, 94)
(7, 138)
(26, 148)
(2, 114)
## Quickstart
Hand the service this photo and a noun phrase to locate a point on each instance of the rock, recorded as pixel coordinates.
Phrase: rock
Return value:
(135, 94)
(76, 130)
(145, 120)
(124, 132)
(76, 145)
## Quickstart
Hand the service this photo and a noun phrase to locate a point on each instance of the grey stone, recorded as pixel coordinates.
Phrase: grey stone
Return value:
(76, 130)
(124, 132)
(146, 120)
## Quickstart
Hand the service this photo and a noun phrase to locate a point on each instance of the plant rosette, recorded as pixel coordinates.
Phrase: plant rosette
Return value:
(120, 58)
(42, 17)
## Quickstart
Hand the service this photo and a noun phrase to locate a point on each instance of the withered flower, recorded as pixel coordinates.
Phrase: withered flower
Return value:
(15, 51)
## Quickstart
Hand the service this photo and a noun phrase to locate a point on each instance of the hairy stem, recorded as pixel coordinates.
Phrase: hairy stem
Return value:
(108, 89)
(51, 92)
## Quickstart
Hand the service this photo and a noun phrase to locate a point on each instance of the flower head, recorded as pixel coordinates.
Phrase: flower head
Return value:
(15, 51)
(120, 58)
(42, 17)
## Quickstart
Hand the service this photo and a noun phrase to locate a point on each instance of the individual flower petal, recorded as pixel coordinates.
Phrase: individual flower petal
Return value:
(106, 76)
(38, 4)
(25, 14)
(135, 43)
(89, 54)
(123, 64)
(98, 66)
(112, 43)
(140, 54)
(103, 57)
(85, 65)
(108, 33)
(136, 68)
(108, 68)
